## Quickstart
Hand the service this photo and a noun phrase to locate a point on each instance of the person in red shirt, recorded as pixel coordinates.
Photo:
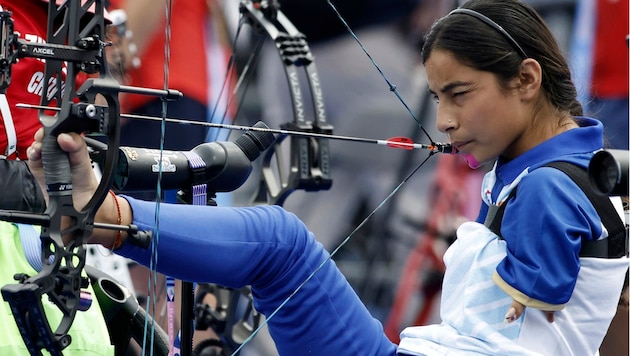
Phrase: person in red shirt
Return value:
(18, 126)
(609, 78)
(197, 62)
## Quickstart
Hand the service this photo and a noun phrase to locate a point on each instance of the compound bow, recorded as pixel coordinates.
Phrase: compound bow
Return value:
(74, 44)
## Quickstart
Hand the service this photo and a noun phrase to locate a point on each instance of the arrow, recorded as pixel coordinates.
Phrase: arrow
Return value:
(394, 142)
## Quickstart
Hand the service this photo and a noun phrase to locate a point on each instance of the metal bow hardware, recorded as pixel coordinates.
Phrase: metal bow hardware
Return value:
(75, 43)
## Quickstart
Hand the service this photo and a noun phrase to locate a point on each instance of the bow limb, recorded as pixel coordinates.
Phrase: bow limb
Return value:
(72, 46)
(309, 161)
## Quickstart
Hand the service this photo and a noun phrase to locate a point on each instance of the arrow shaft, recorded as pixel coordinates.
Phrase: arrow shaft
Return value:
(437, 147)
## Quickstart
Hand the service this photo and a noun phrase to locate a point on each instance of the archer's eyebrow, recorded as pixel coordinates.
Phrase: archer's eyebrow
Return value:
(450, 86)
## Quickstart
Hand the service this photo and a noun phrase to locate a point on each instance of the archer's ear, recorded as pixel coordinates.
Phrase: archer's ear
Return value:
(530, 78)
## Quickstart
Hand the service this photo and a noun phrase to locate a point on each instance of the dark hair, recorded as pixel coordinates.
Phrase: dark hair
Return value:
(484, 47)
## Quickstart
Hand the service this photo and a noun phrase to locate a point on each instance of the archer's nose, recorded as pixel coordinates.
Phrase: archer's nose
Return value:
(444, 121)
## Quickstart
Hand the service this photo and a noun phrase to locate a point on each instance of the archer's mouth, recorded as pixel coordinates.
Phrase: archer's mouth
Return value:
(460, 146)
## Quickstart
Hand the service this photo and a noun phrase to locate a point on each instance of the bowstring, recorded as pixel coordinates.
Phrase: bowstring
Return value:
(392, 87)
(345, 241)
(229, 74)
(153, 275)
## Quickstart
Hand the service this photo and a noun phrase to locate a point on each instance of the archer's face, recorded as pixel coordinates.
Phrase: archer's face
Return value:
(481, 118)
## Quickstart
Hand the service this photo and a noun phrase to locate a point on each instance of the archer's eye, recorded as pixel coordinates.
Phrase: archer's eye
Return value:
(436, 99)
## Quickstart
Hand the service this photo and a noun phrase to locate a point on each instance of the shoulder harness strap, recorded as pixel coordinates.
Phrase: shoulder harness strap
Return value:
(612, 247)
